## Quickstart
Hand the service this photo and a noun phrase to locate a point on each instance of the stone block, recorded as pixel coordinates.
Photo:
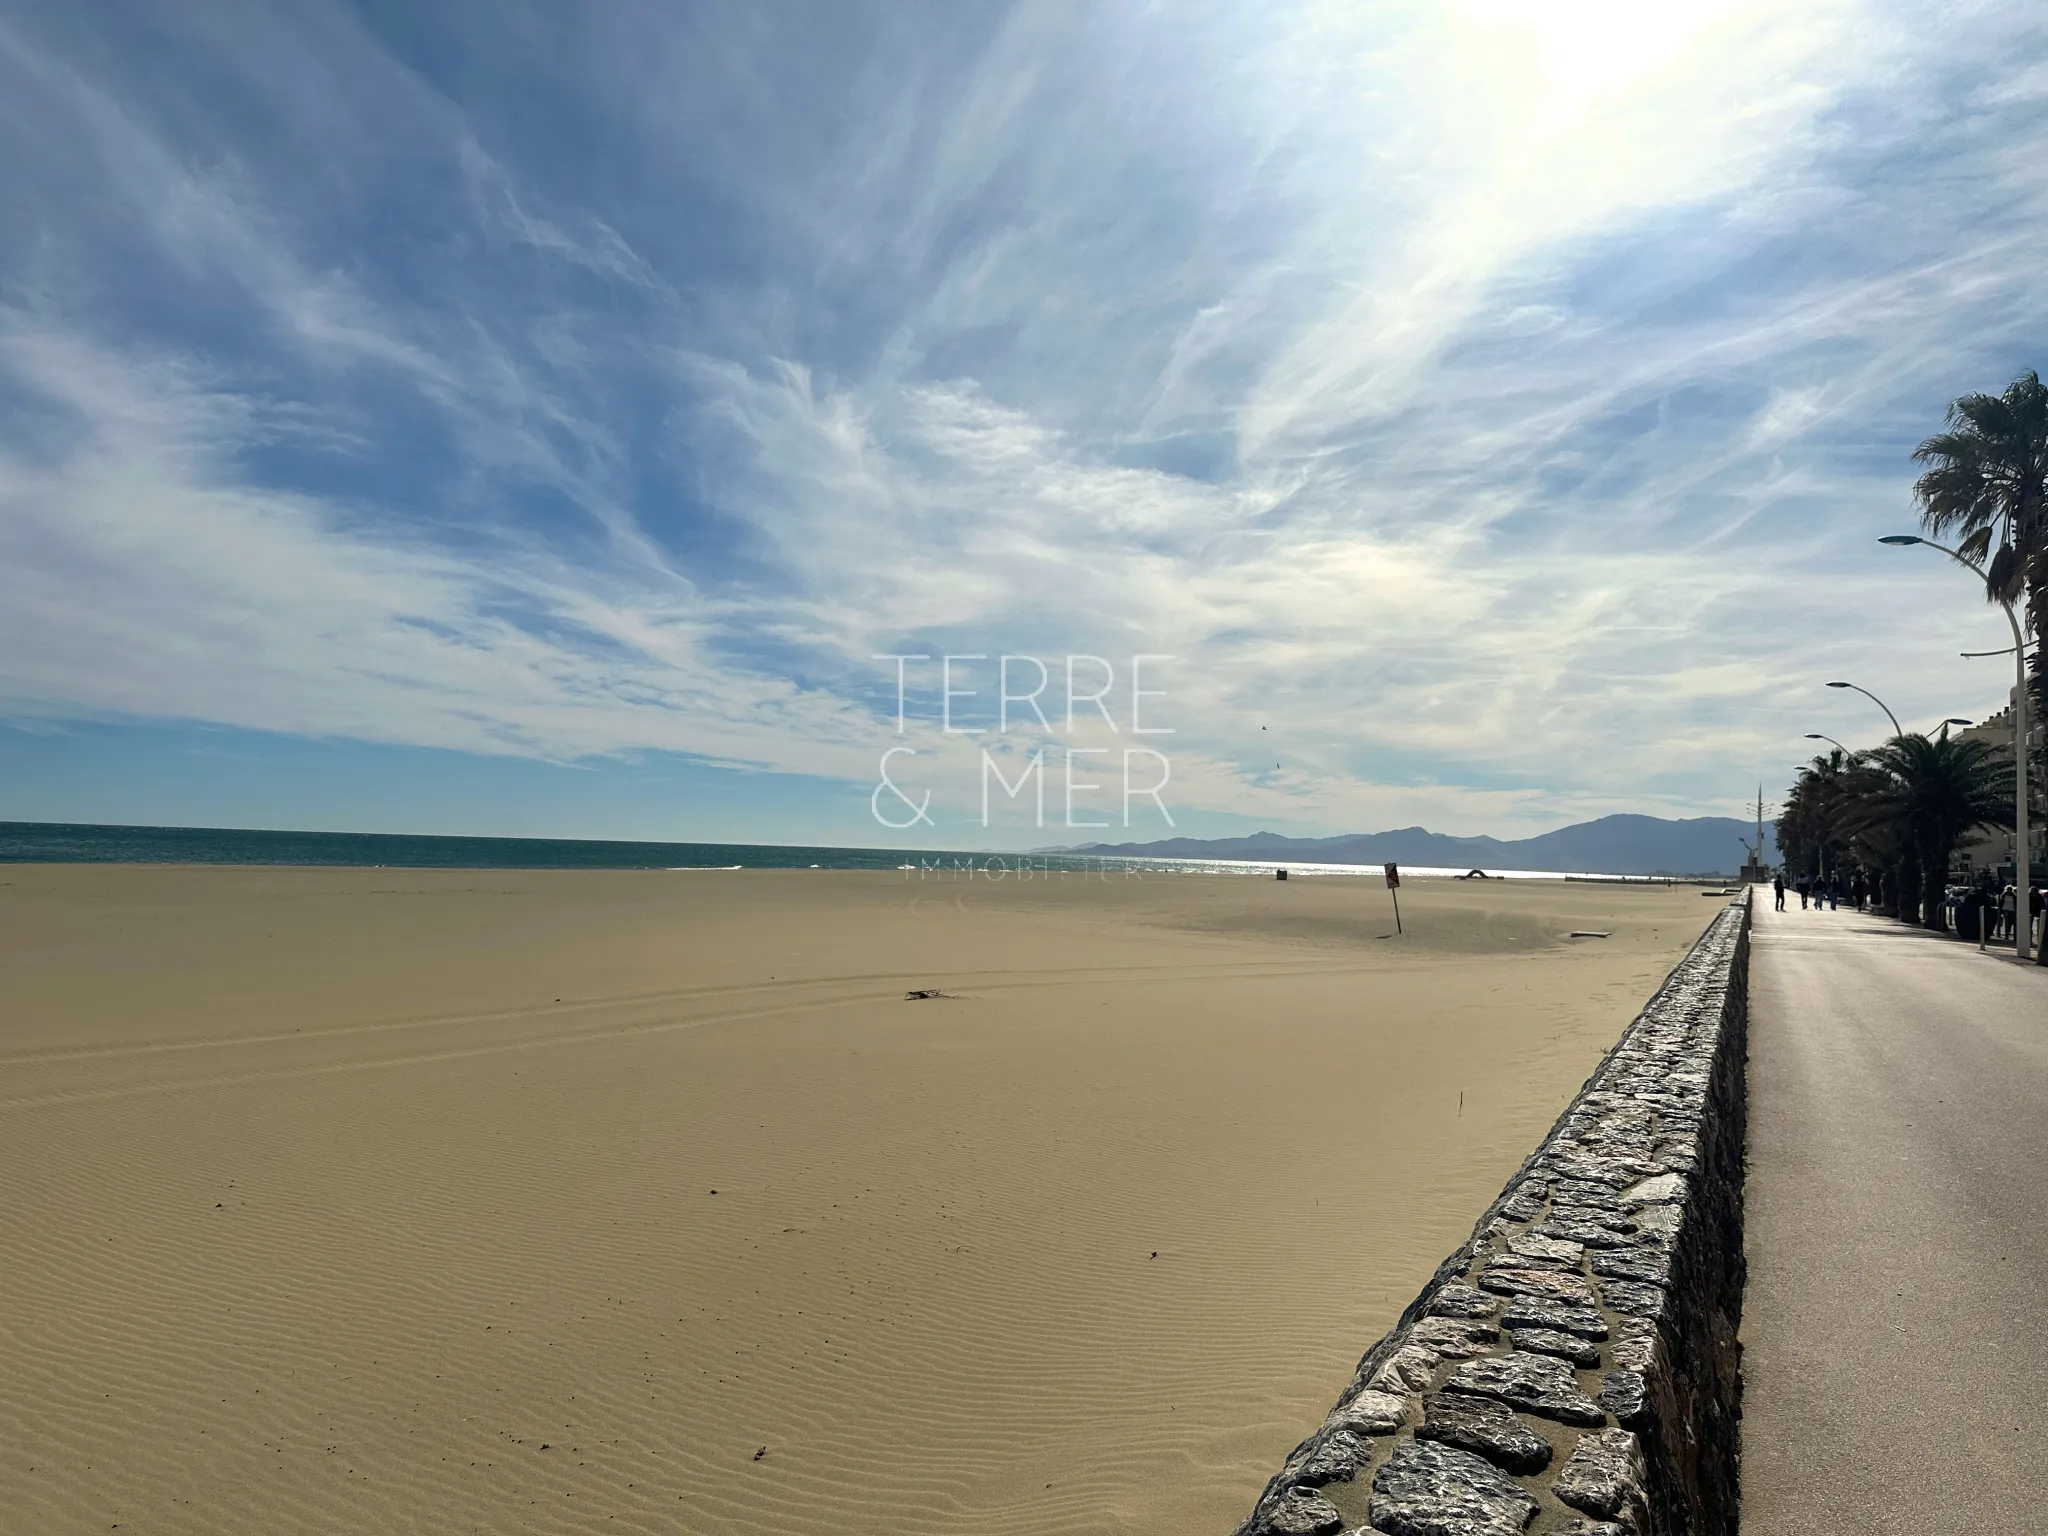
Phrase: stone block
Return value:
(1427, 1489)
(1458, 1300)
(1371, 1413)
(1550, 1252)
(1301, 1512)
(1540, 1384)
(1630, 1264)
(1604, 1478)
(1486, 1427)
(1408, 1369)
(1333, 1456)
(1636, 1300)
(1554, 1285)
(1583, 1353)
(1564, 1317)
(1456, 1338)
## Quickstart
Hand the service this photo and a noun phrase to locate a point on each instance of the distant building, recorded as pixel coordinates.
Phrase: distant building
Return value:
(1993, 850)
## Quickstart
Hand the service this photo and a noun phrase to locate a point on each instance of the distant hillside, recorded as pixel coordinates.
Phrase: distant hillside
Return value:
(1613, 845)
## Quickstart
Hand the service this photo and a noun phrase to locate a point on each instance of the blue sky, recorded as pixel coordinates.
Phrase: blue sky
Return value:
(528, 418)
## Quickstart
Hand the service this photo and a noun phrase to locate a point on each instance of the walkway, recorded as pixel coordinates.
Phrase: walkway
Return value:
(1895, 1348)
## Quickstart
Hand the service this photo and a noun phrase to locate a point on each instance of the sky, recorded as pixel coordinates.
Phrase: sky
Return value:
(534, 419)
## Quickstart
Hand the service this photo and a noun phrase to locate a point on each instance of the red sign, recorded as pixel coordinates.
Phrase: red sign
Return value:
(1393, 876)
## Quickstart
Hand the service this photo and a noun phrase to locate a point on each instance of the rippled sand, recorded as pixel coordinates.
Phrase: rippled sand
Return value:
(379, 1201)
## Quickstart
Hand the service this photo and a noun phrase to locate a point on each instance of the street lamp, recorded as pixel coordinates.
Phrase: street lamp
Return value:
(1897, 729)
(1953, 720)
(2021, 862)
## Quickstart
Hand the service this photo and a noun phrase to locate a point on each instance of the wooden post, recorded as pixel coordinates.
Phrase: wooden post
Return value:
(1394, 890)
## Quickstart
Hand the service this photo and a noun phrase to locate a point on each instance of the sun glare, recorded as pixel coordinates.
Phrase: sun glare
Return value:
(1578, 52)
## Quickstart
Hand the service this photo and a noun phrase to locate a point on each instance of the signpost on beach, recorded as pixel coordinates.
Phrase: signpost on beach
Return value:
(1394, 888)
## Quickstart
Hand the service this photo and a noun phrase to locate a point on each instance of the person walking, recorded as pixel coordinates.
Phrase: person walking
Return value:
(1805, 885)
(1834, 893)
(1778, 890)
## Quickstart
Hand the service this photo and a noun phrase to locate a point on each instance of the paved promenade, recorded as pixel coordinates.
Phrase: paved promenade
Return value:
(1895, 1343)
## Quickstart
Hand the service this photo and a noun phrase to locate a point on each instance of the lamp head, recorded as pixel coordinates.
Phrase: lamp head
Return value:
(1815, 736)
(1901, 540)
(1841, 685)
(1955, 720)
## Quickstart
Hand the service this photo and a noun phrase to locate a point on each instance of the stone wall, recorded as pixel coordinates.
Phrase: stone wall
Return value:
(1573, 1367)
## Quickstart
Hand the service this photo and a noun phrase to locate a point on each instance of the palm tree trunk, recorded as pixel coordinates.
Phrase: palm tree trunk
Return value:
(1906, 890)
(1934, 894)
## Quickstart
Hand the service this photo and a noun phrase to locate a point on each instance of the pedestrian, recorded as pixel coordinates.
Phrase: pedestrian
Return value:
(1858, 891)
(1778, 889)
(1805, 885)
(2005, 913)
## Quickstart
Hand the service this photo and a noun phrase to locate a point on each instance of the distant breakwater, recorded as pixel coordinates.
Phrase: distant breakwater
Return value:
(1573, 1368)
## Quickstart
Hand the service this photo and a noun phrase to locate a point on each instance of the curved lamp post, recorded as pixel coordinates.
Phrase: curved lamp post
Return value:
(2022, 865)
(1897, 729)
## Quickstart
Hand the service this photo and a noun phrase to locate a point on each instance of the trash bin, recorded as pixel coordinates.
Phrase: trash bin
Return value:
(1969, 917)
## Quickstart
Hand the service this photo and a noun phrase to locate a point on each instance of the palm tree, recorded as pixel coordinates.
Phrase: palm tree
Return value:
(1835, 819)
(1885, 850)
(1928, 794)
(1987, 481)
(1812, 829)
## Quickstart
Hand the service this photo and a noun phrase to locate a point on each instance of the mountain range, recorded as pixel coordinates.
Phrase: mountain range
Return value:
(1612, 845)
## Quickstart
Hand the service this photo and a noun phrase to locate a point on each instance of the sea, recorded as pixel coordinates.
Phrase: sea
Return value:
(44, 842)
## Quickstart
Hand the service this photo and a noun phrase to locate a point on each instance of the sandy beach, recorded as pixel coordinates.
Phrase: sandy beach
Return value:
(389, 1200)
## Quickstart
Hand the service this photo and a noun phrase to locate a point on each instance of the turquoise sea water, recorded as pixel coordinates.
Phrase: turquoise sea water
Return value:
(45, 842)
(24, 842)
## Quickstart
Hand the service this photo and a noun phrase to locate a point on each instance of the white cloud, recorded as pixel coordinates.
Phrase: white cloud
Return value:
(140, 577)
(1539, 474)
